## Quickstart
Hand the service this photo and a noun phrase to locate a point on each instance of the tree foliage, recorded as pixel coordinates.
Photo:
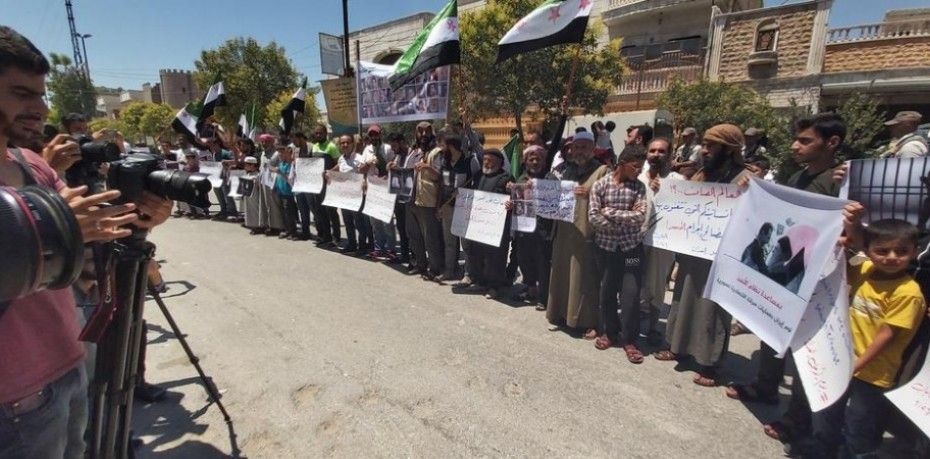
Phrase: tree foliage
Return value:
(864, 121)
(302, 122)
(535, 79)
(251, 73)
(140, 120)
(71, 91)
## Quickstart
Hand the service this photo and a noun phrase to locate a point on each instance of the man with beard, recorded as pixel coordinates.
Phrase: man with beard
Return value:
(697, 326)
(574, 283)
(325, 218)
(423, 221)
(487, 264)
(816, 143)
(272, 215)
(403, 159)
(534, 250)
(658, 262)
(454, 172)
(376, 156)
(689, 152)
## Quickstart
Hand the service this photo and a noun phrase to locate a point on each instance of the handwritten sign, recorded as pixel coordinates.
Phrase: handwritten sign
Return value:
(690, 217)
(213, 170)
(379, 202)
(480, 216)
(267, 177)
(822, 344)
(770, 261)
(555, 199)
(308, 175)
(913, 398)
(344, 190)
(234, 176)
(523, 217)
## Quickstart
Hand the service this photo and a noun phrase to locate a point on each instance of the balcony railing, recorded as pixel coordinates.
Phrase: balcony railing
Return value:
(653, 75)
(880, 31)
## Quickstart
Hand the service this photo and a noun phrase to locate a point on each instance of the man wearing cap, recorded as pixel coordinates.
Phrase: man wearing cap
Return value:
(272, 215)
(326, 219)
(575, 282)
(689, 150)
(423, 220)
(251, 196)
(376, 156)
(754, 148)
(905, 142)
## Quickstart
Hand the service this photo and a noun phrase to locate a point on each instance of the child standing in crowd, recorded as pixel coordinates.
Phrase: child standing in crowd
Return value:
(886, 308)
(251, 196)
(282, 187)
(617, 211)
(192, 165)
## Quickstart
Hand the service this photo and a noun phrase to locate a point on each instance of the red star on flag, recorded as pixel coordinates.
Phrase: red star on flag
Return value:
(554, 13)
(583, 4)
(450, 24)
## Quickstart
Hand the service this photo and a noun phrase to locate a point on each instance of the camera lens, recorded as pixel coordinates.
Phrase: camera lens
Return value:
(40, 241)
(181, 186)
(99, 152)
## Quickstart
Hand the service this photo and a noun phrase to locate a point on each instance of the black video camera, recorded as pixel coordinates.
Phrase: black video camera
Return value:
(140, 172)
(97, 151)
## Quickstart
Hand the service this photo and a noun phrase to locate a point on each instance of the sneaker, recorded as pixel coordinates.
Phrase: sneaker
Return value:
(323, 242)
(348, 249)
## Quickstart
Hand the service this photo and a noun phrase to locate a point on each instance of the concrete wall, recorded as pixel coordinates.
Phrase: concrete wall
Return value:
(177, 87)
(390, 37)
(888, 53)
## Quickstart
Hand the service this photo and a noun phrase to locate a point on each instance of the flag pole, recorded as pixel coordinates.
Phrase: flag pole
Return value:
(571, 75)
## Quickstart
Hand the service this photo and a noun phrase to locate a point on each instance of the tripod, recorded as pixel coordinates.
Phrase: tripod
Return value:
(116, 371)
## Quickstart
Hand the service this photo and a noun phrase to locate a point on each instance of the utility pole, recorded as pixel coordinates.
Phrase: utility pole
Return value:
(345, 37)
(86, 60)
(75, 45)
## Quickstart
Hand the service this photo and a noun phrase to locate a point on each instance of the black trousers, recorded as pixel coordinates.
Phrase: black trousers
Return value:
(326, 219)
(303, 208)
(487, 265)
(290, 214)
(621, 272)
(534, 254)
(357, 229)
(426, 239)
(400, 224)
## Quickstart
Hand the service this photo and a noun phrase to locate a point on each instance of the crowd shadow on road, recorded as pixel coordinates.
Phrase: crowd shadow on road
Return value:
(169, 421)
(176, 289)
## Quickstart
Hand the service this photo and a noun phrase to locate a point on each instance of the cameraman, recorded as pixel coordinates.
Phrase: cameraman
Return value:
(43, 393)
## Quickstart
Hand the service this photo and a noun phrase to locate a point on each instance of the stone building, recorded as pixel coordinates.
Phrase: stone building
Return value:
(384, 43)
(177, 87)
(777, 51)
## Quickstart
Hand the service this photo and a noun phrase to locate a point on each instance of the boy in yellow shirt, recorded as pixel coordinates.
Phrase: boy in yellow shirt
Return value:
(886, 307)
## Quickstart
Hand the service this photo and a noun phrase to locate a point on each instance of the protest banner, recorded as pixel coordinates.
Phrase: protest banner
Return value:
(523, 217)
(379, 202)
(266, 177)
(213, 170)
(690, 217)
(426, 97)
(555, 199)
(234, 176)
(480, 216)
(341, 105)
(332, 53)
(891, 188)
(913, 398)
(402, 183)
(308, 175)
(785, 249)
(822, 344)
(344, 190)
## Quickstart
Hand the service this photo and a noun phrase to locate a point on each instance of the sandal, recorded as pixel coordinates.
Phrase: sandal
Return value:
(704, 381)
(633, 354)
(778, 430)
(590, 334)
(751, 394)
(603, 343)
(665, 355)
(540, 307)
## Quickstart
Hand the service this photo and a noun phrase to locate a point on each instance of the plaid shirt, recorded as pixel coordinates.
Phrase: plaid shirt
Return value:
(610, 211)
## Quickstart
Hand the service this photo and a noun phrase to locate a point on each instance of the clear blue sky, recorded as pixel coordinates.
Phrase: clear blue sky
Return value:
(132, 39)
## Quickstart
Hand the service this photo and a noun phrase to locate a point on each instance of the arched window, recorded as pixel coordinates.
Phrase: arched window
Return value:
(389, 58)
(766, 36)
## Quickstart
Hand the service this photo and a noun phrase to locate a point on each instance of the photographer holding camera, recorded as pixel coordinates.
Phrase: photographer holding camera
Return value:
(43, 393)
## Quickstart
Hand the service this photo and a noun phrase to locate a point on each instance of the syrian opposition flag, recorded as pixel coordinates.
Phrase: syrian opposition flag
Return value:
(435, 46)
(297, 104)
(246, 125)
(215, 97)
(553, 23)
(185, 123)
(514, 153)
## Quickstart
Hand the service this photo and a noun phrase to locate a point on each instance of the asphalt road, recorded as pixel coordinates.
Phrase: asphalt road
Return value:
(323, 355)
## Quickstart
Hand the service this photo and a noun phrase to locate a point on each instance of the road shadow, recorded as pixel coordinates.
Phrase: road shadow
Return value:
(163, 334)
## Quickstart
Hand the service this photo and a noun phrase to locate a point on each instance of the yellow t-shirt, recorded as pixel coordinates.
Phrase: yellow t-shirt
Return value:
(896, 302)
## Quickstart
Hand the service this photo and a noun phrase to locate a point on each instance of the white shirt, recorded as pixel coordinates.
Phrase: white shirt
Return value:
(908, 146)
(350, 163)
(369, 156)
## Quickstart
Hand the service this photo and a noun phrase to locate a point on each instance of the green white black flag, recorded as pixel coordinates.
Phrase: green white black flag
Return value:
(435, 46)
(553, 23)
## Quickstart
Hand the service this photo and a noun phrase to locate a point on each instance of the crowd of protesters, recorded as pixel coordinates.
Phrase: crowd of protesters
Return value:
(592, 276)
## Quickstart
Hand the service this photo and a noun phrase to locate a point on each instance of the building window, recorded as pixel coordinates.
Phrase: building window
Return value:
(766, 36)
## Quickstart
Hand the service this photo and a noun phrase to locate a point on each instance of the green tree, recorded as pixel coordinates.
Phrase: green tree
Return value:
(156, 120)
(532, 80)
(97, 124)
(252, 74)
(130, 119)
(71, 90)
(302, 122)
(864, 121)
